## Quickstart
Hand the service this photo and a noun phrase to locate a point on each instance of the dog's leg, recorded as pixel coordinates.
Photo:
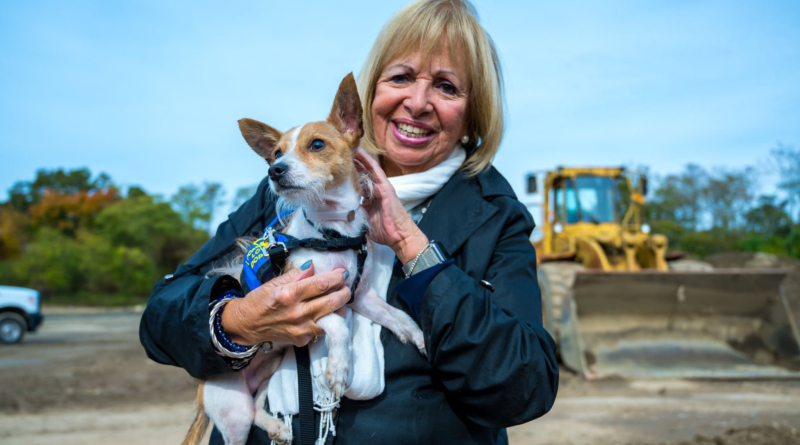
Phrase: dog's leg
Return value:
(229, 404)
(275, 428)
(370, 305)
(337, 338)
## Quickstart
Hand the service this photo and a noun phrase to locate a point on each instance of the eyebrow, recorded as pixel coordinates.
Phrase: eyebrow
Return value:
(401, 65)
(409, 67)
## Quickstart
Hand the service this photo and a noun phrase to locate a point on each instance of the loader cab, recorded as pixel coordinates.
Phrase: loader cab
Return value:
(589, 199)
(592, 205)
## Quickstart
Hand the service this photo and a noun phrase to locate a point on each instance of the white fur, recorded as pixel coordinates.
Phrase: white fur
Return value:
(228, 400)
(292, 144)
(235, 401)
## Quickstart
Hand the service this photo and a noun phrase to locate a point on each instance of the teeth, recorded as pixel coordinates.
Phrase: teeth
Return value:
(412, 131)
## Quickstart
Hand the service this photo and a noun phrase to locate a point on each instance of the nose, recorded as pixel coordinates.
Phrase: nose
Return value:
(277, 171)
(417, 102)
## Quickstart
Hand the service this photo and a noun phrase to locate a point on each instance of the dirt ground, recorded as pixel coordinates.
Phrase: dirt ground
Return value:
(84, 379)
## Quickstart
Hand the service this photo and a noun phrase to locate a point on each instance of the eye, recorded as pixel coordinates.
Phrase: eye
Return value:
(316, 145)
(278, 154)
(448, 88)
(399, 78)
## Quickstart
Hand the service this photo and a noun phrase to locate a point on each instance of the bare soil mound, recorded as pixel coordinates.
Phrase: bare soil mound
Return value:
(772, 434)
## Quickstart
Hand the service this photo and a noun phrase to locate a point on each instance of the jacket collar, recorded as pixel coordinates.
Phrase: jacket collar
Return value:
(461, 207)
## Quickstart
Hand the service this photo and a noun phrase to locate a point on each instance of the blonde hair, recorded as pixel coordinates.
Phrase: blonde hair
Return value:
(420, 26)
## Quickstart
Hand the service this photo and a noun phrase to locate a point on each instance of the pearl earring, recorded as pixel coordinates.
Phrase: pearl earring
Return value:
(464, 140)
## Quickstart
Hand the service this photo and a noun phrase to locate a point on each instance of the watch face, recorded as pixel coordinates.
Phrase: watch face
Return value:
(434, 255)
(442, 251)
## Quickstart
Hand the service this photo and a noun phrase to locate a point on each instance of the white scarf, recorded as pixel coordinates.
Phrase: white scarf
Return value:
(366, 379)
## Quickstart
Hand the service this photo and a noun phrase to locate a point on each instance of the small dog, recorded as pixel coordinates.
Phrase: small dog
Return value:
(311, 169)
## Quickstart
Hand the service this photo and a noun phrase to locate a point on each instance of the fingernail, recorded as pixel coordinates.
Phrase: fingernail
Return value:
(306, 265)
(346, 274)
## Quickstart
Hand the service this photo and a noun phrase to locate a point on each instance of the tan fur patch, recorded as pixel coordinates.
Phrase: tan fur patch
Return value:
(340, 133)
(335, 159)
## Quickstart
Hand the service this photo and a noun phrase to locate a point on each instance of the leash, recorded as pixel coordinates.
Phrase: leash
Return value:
(305, 397)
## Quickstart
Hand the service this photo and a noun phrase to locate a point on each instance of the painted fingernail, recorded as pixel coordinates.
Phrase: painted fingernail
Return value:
(346, 274)
(306, 265)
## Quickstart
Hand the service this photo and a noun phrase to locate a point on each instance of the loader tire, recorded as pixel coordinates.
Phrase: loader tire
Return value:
(690, 265)
(555, 280)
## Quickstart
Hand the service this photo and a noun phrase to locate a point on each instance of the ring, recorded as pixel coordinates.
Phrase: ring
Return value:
(315, 339)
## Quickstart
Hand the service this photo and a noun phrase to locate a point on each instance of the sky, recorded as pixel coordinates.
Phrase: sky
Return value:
(150, 91)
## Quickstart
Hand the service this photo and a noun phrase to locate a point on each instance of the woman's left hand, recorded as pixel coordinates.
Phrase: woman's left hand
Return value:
(389, 222)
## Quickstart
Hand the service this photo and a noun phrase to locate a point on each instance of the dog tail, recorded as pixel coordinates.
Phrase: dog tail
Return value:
(200, 424)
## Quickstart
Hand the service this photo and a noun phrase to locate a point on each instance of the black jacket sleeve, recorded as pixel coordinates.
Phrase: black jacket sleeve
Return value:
(174, 327)
(489, 349)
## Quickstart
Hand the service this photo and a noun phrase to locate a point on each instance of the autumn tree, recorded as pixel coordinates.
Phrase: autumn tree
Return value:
(24, 194)
(147, 223)
(72, 236)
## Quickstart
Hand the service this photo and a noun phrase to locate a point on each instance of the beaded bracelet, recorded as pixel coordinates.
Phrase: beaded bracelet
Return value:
(224, 345)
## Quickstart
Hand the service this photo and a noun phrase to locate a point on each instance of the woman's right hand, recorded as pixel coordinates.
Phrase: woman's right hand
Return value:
(286, 308)
(389, 223)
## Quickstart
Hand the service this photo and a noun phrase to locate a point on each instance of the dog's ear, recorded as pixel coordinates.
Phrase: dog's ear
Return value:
(259, 136)
(346, 114)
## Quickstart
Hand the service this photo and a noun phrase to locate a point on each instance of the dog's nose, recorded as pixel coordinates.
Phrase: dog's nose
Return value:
(277, 170)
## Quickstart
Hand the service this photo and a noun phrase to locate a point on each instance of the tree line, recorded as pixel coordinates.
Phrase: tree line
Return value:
(709, 211)
(78, 238)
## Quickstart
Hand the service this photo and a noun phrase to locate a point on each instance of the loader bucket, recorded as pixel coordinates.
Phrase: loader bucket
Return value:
(734, 323)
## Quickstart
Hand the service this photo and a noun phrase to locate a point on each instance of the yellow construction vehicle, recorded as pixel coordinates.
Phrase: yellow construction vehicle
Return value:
(619, 305)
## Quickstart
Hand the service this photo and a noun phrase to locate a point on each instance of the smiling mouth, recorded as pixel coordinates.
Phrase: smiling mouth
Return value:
(412, 132)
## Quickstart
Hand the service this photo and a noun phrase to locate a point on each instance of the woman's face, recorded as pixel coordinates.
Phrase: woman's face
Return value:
(419, 112)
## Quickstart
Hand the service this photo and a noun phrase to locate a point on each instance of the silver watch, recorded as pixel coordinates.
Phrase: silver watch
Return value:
(432, 255)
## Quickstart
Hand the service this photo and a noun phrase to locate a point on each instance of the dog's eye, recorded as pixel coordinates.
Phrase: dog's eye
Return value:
(316, 145)
(278, 154)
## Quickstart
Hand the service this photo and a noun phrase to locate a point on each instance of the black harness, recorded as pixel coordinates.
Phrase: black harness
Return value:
(333, 242)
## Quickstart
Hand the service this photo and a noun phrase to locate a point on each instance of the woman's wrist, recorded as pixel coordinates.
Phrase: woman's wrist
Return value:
(232, 321)
(408, 248)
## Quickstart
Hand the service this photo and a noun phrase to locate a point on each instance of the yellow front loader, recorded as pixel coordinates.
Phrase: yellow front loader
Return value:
(619, 305)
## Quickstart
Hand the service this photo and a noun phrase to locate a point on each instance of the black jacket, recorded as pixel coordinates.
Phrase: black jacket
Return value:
(490, 363)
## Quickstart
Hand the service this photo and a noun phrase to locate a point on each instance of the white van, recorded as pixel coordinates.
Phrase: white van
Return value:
(20, 312)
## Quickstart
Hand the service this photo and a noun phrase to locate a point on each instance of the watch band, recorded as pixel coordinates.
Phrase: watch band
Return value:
(431, 255)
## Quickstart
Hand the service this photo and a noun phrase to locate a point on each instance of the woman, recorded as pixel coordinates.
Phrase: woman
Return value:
(431, 91)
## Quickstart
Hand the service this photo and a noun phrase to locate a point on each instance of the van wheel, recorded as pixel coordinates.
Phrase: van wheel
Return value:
(12, 328)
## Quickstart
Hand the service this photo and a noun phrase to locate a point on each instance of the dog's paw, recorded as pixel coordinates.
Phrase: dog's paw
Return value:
(420, 344)
(419, 341)
(336, 374)
(407, 330)
(279, 433)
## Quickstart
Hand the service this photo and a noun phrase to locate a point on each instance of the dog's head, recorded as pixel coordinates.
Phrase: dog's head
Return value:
(308, 161)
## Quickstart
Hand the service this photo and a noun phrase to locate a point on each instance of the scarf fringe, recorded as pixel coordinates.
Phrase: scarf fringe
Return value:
(326, 407)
